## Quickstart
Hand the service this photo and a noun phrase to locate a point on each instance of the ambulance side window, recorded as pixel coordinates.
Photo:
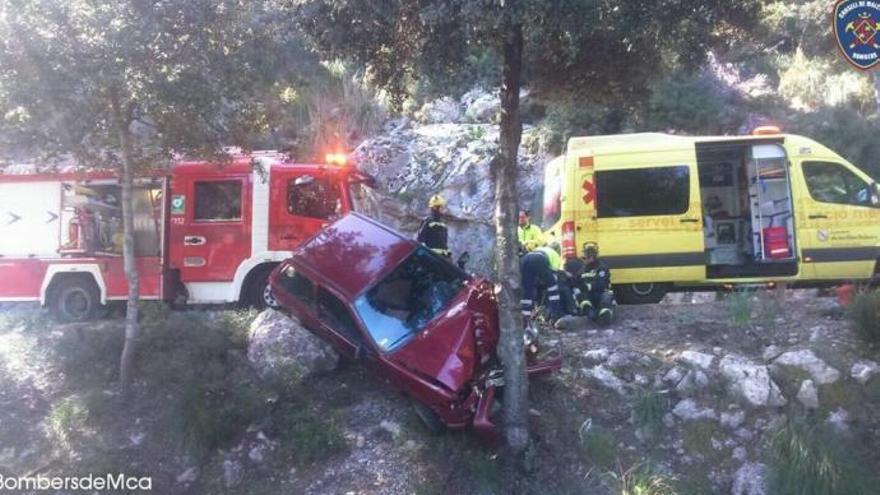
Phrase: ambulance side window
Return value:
(643, 192)
(833, 183)
(218, 201)
(312, 197)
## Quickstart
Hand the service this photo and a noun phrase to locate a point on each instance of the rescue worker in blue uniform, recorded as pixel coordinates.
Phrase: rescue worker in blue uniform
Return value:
(433, 232)
(591, 281)
(539, 269)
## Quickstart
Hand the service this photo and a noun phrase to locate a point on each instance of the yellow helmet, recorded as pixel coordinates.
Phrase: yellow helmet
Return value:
(436, 201)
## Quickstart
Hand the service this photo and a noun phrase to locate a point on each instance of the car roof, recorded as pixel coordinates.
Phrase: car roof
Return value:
(352, 254)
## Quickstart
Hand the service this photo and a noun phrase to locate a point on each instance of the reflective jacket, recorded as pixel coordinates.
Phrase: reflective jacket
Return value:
(551, 254)
(530, 237)
(433, 233)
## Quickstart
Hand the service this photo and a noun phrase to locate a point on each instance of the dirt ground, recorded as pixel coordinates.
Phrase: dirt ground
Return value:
(200, 422)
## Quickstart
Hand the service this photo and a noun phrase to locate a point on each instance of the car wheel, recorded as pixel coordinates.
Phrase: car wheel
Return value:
(75, 300)
(428, 417)
(261, 292)
(646, 293)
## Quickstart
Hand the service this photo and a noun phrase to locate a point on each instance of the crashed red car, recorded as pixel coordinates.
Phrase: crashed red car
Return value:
(416, 319)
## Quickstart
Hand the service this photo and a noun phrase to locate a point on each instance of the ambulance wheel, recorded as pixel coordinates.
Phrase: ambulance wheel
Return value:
(428, 417)
(648, 293)
(260, 292)
(75, 300)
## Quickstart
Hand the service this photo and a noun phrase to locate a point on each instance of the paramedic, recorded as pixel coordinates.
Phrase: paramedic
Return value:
(529, 235)
(539, 269)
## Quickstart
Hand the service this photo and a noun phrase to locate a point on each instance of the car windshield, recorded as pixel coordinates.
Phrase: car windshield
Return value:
(399, 307)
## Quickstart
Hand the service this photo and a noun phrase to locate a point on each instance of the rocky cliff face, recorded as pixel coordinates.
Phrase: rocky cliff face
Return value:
(447, 149)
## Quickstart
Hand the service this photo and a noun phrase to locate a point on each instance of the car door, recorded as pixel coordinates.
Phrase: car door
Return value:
(302, 204)
(339, 327)
(839, 220)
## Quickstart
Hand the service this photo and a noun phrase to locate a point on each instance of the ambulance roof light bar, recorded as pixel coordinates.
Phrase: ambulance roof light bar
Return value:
(766, 130)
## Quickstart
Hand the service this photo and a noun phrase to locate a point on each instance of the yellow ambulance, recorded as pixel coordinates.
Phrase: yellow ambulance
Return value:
(682, 213)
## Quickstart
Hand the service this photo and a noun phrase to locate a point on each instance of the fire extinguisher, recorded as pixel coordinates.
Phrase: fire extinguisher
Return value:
(73, 232)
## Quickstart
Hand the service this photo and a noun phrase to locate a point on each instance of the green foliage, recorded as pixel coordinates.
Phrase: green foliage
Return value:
(599, 446)
(695, 104)
(864, 312)
(845, 131)
(697, 437)
(649, 409)
(807, 459)
(67, 421)
(310, 437)
(739, 307)
(640, 479)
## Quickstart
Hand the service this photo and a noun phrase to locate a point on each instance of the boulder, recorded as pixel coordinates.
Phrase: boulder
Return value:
(481, 106)
(750, 479)
(595, 356)
(440, 111)
(606, 378)
(689, 410)
(696, 359)
(808, 395)
(806, 360)
(750, 382)
(862, 371)
(693, 382)
(733, 419)
(284, 352)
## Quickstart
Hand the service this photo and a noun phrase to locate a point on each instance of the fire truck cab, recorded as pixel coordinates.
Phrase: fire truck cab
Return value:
(204, 233)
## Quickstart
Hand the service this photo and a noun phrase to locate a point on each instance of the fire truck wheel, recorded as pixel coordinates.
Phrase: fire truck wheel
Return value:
(75, 300)
(428, 417)
(649, 293)
(260, 293)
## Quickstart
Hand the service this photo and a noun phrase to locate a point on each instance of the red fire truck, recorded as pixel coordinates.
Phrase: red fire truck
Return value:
(204, 233)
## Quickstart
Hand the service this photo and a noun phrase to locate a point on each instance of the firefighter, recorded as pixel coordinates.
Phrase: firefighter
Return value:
(539, 269)
(592, 280)
(529, 235)
(433, 232)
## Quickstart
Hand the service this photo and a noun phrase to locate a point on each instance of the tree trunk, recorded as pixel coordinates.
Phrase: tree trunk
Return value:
(132, 327)
(504, 173)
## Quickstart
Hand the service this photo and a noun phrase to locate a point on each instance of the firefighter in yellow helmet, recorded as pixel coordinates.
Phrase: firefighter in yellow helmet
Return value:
(529, 235)
(433, 232)
(592, 285)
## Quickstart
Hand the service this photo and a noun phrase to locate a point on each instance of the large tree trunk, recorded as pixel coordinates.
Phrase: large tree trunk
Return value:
(132, 327)
(504, 172)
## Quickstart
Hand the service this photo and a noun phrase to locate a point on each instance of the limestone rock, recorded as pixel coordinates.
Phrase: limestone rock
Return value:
(440, 111)
(806, 360)
(808, 395)
(733, 419)
(862, 371)
(751, 382)
(606, 378)
(282, 351)
(596, 356)
(696, 359)
(688, 410)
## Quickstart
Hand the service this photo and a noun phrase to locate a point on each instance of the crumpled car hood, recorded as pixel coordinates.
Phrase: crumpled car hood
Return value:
(445, 351)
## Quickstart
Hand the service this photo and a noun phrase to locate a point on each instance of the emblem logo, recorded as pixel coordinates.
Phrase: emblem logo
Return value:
(822, 235)
(589, 191)
(178, 204)
(856, 23)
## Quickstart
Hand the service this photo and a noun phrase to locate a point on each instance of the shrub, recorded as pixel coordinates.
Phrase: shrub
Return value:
(639, 479)
(67, 421)
(309, 437)
(598, 445)
(649, 409)
(864, 312)
(739, 307)
(807, 459)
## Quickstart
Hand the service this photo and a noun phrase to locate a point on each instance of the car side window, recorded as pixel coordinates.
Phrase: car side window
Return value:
(300, 288)
(830, 182)
(336, 315)
(312, 197)
(217, 201)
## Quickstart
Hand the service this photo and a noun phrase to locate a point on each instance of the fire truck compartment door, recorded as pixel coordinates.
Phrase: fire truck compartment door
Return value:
(30, 219)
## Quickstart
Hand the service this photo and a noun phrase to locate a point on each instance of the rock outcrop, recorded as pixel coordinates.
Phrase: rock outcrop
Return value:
(284, 352)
